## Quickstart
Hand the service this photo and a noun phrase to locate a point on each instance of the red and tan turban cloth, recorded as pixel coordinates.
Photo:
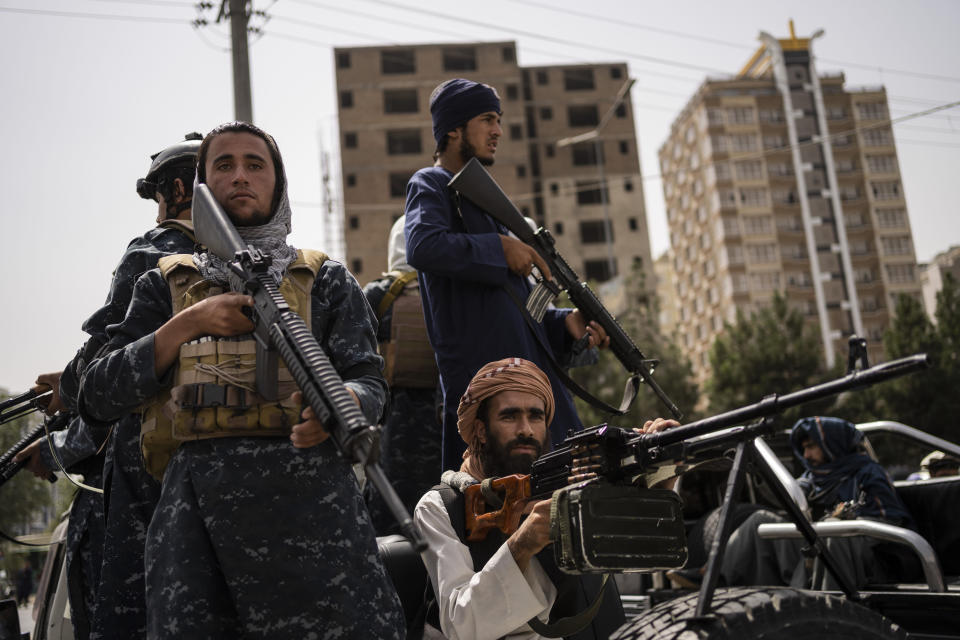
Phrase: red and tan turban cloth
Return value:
(509, 374)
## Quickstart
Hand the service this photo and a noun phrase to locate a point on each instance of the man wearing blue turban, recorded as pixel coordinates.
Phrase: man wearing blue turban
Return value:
(470, 267)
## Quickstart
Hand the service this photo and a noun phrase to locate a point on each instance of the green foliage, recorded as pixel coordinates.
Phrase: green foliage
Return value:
(928, 400)
(607, 378)
(771, 351)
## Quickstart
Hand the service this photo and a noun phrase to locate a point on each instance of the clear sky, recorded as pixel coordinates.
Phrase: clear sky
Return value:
(91, 88)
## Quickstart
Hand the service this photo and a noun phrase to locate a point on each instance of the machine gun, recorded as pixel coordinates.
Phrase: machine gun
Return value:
(279, 330)
(475, 183)
(605, 457)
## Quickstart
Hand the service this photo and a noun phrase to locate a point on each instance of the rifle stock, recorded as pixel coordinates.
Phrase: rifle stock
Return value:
(280, 330)
(477, 185)
(617, 455)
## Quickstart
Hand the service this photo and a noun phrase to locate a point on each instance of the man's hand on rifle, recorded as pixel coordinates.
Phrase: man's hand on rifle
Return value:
(532, 536)
(577, 327)
(49, 382)
(34, 463)
(658, 424)
(522, 258)
(310, 432)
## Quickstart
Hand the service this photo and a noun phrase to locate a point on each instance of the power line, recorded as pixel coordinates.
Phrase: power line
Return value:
(156, 3)
(94, 16)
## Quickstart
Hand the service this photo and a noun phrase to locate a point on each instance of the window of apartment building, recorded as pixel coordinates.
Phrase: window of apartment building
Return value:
(516, 132)
(766, 281)
(749, 169)
(900, 273)
(508, 54)
(718, 144)
(784, 196)
(734, 253)
(632, 224)
(621, 110)
(627, 185)
(849, 193)
(797, 279)
(877, 137)
(708, 268)
(512, 92)
(459, 59)
(871, 110)
(780, 169)
(895, 245)
(891, 218)
(836, 113)
(354, 222)
(864, 275)
(882, 164)
(724, 199)
(761, 253)
(853, 219)
(548, 150)
(598, 270)
(845, 165)
(589, 192)
(720, 171)
(546, 113)
(743, 142)
(585, 154)
(754, 197)
(624, 147)
(521, 171)
(714, 116)
(394, 61)
(859, 247)
(398, 184)
(789, 223)
(351, 179)
(739, 282)
(350, 140)
(889, 190)
(343, 60)
(583, 115)
(542, 77)
(794, 251)
(403, 141)
(616, 73)
(774, 142)
(554, 188)
(771, 115)
(592, 231)
(346, 99)
(578, 79)
(757, 224)
(356, 266)
(869, 303)
(705, 240)
(400, 101)
(740, 115)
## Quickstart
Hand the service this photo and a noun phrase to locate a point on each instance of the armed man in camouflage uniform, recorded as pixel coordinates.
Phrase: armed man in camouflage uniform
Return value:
(111, 540)
(260, 530)
(411, 440)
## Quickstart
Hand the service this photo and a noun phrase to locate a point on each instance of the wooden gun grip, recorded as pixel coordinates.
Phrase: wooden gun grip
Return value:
(515, 491)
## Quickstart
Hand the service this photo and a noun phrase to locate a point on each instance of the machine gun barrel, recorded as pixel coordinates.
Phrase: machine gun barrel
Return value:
(9, 468)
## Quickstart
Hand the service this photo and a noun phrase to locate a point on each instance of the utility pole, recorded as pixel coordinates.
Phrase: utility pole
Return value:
(236, 10)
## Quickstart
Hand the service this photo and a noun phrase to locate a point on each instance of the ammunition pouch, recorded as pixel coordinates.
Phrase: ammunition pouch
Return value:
(408, 357)
(214, 392)
(598, 527)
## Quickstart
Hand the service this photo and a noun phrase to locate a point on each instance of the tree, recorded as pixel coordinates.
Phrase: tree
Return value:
(773, 350)
(606, 379)
(928, 399)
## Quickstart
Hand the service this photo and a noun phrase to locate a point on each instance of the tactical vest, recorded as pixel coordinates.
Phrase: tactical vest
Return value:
(213, 394)
(574, 592)
(408, 356)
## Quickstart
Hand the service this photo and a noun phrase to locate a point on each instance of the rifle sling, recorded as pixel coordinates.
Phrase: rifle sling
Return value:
(629, 390)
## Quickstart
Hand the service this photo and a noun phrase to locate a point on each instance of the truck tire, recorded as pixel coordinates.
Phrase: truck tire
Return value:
(761, 614)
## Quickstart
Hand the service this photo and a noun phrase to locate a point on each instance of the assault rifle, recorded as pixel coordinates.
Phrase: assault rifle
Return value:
(279, 330)
(9, 468)
(614, 456)
(475, 183)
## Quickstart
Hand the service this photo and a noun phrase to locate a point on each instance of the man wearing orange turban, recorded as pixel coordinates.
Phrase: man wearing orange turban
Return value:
(492, 588)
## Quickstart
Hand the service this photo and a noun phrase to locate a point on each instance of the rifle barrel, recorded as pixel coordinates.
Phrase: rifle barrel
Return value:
(23, 397)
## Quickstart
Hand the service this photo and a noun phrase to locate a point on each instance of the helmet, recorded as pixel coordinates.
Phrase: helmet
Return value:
(182, 155)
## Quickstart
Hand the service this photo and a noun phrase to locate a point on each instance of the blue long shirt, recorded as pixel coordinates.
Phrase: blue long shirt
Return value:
(471, 320)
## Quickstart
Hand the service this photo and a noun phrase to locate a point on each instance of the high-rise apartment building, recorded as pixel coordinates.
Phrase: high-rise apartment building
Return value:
(781, 179)
(587, 193)
(934, 273)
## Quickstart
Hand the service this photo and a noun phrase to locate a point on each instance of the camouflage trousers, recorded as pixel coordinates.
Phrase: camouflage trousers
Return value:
(255, 538)
(410, 447)
(84, 555)
(131, 495)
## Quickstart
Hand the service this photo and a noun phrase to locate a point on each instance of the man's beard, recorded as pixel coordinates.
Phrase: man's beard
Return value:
(498, 461)
(468, 151)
